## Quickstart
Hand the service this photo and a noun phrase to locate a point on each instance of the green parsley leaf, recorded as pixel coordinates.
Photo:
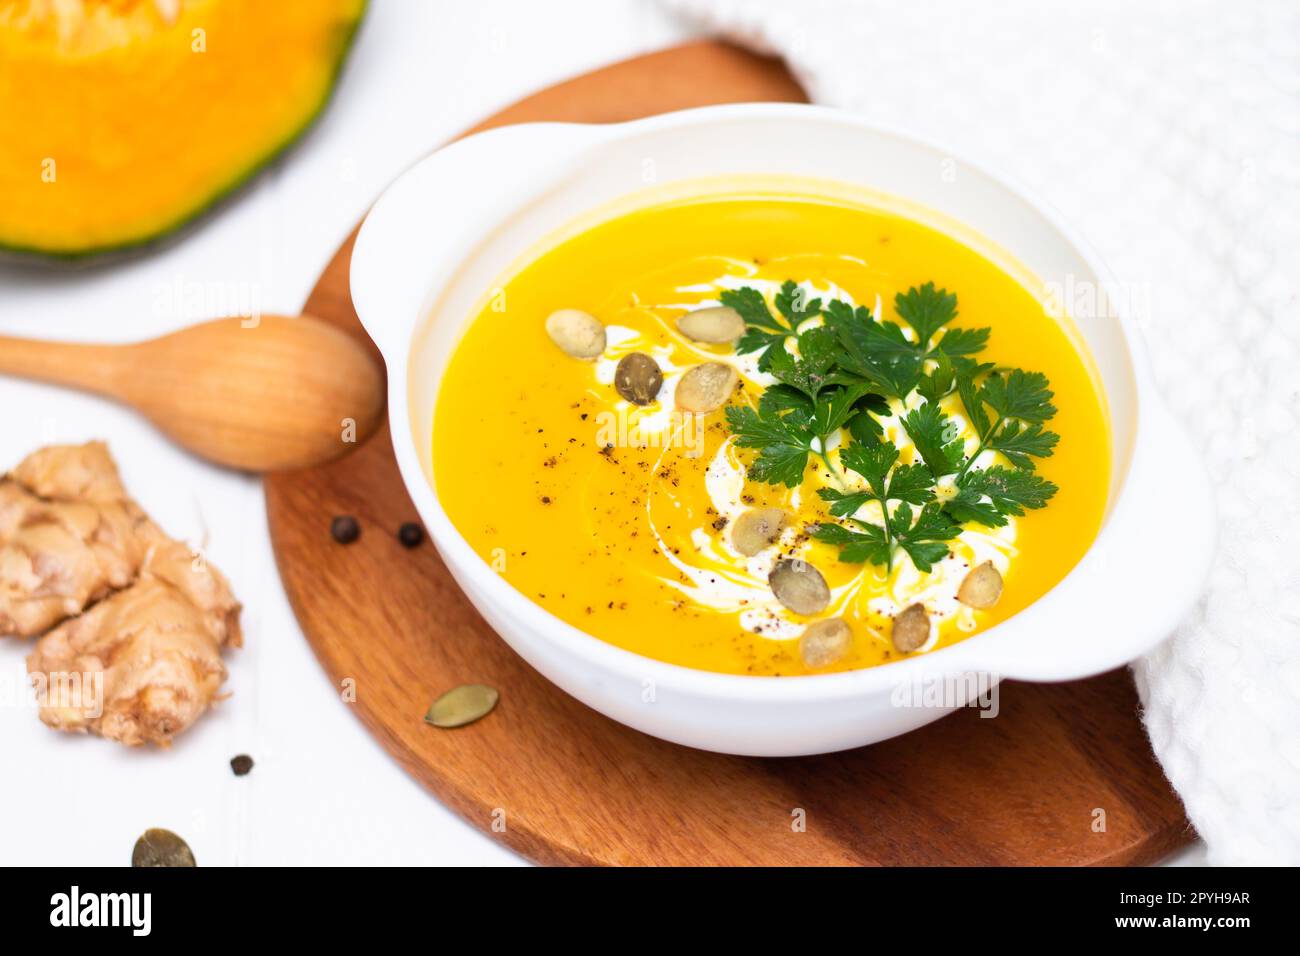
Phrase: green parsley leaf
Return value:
(939, 381)
(961, 342)
(869, 544)
(763, 331)
(926, 540)
(863, 424)
(970, 505)
(794, 304)
(751, 305)
(936, 438)
(845, 503)
(865, 428)
(926, 310)
(818, 351)
(877, 352)
(972, 401)
(1022, 401)
(1019, 394)
(835, 406)
(872, 462)
(1021, 445)
(777, 399)
(1010, 490)
(911, 483)
(783, 445)
(811, 402)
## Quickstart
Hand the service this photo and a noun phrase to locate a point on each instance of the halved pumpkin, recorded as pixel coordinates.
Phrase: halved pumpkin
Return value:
(122, 119)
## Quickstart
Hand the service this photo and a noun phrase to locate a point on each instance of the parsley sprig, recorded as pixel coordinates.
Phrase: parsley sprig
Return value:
(850, 371)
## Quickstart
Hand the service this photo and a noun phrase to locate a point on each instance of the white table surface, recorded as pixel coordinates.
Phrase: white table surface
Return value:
(322, 791)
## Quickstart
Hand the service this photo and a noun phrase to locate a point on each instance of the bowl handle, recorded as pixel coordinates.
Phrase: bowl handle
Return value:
(417, 233)
(1138, 580)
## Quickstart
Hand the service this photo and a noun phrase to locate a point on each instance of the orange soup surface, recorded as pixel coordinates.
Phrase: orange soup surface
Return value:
(620, 518)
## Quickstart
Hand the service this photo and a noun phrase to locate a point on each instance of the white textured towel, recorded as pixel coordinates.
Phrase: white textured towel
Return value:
(1170, 133)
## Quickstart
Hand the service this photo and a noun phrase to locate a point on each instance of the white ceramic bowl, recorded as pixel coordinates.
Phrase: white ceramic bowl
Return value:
(442, 234)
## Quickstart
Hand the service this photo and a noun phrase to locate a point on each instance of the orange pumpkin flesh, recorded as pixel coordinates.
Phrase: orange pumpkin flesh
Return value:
(123, 119)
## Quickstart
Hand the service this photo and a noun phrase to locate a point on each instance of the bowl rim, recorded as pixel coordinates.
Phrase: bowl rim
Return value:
(959, 658)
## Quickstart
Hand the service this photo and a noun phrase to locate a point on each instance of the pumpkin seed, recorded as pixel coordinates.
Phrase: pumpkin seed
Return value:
(462, 705)
(911, 627)
(719, 325)
(799, 586)
(161, 848)
(706, 387)
(982, 587)
(638, 378)
(578, 334)
(825, 642)
(756, 529)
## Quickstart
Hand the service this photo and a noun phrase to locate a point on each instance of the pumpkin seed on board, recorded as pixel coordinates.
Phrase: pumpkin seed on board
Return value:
(159, 847)
(462, 705)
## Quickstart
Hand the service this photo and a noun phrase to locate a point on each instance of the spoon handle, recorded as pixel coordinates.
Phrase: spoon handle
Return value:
(93, 368)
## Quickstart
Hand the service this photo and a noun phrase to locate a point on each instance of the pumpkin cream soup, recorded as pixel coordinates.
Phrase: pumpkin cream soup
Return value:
(771, 435)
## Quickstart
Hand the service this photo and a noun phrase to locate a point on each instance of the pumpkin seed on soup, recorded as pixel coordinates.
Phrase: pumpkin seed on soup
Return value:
(719, 325)
(824, 643)
(577, 333)
(911, 628)
(638, 378)
(799, 586)
(462, 705)
(158, 847)
(982, 587)
(757, 529)
(706, 388)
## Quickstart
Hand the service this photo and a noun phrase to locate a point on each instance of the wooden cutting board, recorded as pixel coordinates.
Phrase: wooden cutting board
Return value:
(559, 783)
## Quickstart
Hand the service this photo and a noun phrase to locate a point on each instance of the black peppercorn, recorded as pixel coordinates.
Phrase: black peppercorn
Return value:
(241, 764)
(410, 534)
(345, 529)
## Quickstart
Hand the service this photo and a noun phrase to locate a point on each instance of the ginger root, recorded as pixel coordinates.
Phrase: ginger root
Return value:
(143, 661)
(158, 646)
(68, 536)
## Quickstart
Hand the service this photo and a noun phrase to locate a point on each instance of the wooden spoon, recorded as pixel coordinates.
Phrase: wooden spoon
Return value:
(275, 394)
